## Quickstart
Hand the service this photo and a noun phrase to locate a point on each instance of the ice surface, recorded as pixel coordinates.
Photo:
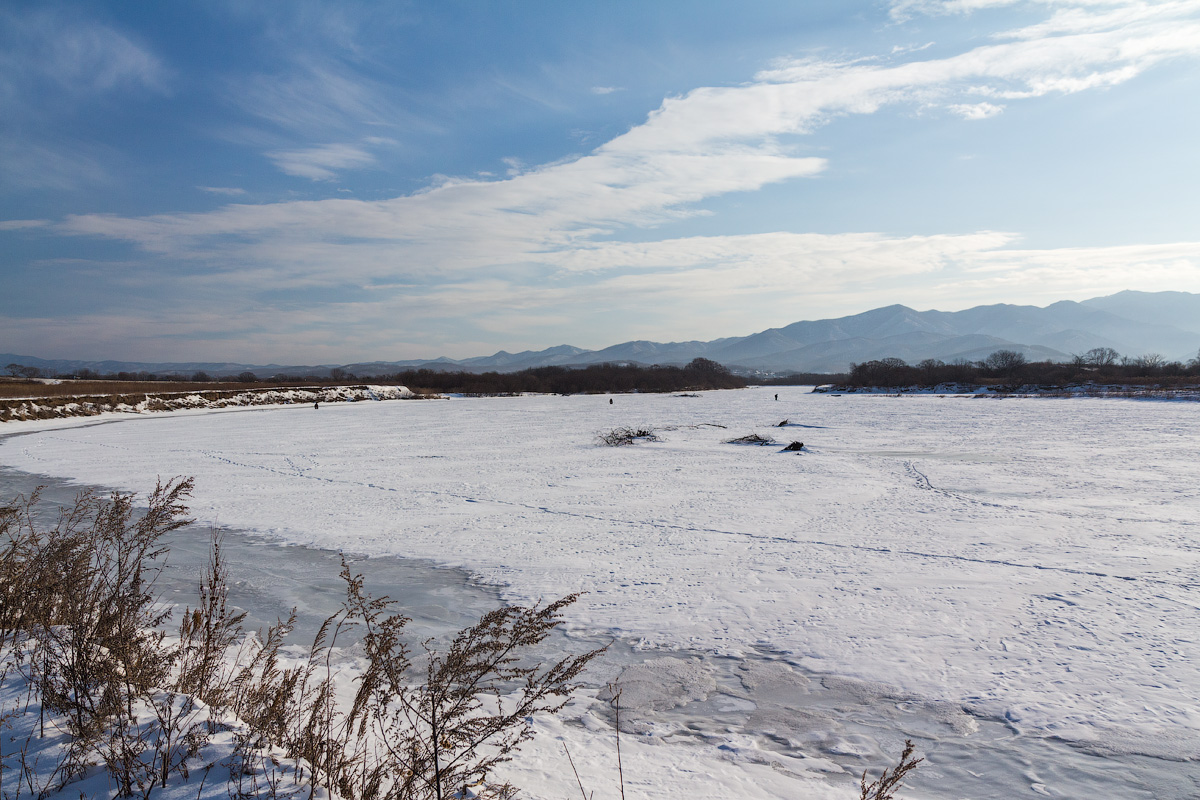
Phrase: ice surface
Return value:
(1028, 566)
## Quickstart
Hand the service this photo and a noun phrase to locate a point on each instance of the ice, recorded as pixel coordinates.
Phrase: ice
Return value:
(978, 570)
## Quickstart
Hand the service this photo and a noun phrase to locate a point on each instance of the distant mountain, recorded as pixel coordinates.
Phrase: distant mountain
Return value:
(1180, 309)
(66, 366)
(552, 356)
(1080, 323)
(1132, 323)
(836, 356)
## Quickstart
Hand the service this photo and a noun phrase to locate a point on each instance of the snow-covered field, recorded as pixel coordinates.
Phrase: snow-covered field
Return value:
(1030, 561)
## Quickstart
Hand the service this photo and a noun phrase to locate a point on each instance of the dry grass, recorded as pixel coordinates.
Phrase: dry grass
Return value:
(80, 616)
(884, 787)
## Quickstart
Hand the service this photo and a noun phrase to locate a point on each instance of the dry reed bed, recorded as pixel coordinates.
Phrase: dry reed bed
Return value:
(82, 627)
(15, 409)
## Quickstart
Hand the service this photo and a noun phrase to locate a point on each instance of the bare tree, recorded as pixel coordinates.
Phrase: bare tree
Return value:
(1101, 357)
(1150, 362)
(22, 371)
(1005, 362)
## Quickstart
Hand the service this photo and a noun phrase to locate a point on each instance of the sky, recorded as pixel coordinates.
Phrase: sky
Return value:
(303, 182)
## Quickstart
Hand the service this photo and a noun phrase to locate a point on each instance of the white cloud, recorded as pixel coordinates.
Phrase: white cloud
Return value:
(52, 63)
(905, 9)
(225, 190)
(974, 111)
(51, 163)
(22, 224)
(606, 89)
(313, 100)
(673, 289)
(72, 53)
(474, 243)
(318, 163)
(910, 48)
(709, 142)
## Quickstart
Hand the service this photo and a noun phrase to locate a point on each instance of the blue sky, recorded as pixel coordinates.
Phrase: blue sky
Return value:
(301, 182)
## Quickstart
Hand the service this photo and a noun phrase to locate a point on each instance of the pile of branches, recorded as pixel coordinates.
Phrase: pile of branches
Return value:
(752, 438)
(619, 437)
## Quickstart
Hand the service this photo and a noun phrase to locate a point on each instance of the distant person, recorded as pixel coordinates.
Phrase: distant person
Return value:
(316, 405)
(776, 398)
(610, 401)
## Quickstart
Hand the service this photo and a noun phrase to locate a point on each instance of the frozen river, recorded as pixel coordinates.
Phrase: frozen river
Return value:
(1011, 583)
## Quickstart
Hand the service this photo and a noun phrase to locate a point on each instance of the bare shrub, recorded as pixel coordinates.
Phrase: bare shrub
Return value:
(752, 438)
(79, 599)
(474, 707)
(619, 437)
(885, 786)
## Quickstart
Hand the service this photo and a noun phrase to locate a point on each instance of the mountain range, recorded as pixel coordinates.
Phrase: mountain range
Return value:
(1132, 323)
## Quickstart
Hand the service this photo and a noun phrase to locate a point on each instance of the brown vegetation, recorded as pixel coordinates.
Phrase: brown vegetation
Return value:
(1007, 368)
(884, 787)
(700, 373)
(81, 621)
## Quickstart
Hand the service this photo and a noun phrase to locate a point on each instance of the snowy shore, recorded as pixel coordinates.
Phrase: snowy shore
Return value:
(1031, 563)
(23, 409)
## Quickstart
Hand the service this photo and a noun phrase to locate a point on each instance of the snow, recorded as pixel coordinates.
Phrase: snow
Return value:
(35, 758)
(1028, 560)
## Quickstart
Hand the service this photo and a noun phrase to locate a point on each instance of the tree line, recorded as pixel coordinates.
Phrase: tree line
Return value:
(1099, 365)
(31, 373)
(700, 373)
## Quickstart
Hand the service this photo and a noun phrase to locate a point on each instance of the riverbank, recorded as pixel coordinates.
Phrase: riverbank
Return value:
(90, 405)
(1120, 391)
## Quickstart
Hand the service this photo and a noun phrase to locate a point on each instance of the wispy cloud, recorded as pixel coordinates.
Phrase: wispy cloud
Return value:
(709, 142)
(33, 162)
(313, 99)
(682, 288)
(41, 47)
(906, 9)
(606, 89)
(482, 243)
(22, 224)
(52, 63)
(231, 191)
(319, 163)
(318, 115)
